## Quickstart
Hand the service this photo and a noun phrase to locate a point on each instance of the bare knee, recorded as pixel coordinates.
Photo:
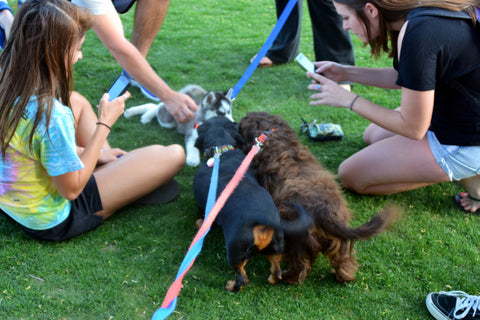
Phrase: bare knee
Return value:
(172, 156)
(78, 104)
(348, 177)
(367, 135)
(177, 154)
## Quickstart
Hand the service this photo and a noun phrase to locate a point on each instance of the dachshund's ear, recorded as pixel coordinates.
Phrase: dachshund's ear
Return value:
(247, 131)
(232, 129)
(201, 130)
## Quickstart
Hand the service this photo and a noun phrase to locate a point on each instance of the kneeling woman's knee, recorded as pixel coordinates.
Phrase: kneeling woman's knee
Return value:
(347, 177)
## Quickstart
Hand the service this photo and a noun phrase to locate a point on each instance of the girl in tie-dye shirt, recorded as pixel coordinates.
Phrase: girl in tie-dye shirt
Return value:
(58, 175)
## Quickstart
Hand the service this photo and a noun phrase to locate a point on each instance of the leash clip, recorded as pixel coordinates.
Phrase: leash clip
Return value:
(217, 152)
(262, 138)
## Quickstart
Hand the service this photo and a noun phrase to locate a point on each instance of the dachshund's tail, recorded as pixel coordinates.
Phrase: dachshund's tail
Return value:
(301, 224)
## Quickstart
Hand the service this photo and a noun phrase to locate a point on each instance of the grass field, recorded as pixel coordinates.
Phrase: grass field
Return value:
(123, 269)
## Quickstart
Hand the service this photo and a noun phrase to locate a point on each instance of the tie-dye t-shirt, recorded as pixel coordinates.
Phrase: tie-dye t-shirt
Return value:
(27, 192)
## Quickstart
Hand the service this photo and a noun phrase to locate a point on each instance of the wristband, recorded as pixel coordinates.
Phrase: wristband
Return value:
(104, 124)
(353, 101)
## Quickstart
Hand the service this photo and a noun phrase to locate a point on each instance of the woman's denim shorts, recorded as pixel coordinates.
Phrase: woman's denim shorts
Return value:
(457, 161)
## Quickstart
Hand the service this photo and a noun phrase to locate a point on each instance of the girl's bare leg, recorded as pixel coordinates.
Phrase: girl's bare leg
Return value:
(136, 174)
(391, 165)
(85, 119)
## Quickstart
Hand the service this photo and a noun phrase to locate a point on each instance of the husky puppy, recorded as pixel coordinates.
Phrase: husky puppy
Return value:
(210, 104)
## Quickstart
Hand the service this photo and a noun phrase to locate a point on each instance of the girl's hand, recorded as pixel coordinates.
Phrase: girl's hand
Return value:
(109, 155)
(328, 92)
(109, 112)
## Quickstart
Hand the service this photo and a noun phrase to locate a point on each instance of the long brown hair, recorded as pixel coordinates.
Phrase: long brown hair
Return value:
(38, 61)
(394, 10)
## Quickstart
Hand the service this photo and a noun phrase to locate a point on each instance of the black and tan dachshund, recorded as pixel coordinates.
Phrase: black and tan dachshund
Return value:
(250, 220)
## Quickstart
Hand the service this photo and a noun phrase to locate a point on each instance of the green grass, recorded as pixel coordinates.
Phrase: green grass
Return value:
(123, 269)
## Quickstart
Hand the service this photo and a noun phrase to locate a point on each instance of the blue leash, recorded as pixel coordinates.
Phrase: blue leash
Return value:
(163, 313)
(263, 51)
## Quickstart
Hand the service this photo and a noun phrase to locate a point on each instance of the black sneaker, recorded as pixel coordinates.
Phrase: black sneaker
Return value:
(453, 305)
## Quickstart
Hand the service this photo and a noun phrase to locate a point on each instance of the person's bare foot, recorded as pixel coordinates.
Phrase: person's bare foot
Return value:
(467, 202)
(264, 62)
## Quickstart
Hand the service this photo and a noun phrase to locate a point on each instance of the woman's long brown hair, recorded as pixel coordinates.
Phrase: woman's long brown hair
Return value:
(37, 61)
(394, 10)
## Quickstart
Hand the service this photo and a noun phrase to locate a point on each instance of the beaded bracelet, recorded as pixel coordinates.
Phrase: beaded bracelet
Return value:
(353, 101)
(104, 124)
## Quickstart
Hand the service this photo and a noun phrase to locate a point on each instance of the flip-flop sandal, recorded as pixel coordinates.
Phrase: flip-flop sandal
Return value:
(457, 199)
(163, 194)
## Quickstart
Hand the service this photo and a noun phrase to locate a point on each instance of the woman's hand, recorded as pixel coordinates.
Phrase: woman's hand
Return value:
(332, 70)
(328, 92)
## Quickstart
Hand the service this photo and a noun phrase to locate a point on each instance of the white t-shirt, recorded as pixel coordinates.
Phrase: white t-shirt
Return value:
(97, 7)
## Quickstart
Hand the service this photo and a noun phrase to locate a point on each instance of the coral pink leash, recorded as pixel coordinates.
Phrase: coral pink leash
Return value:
(170, 301)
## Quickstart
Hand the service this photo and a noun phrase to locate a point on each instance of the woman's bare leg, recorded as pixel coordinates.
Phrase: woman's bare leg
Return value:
(472, 186)
(374, 133)
(136, 174)
(391, 165)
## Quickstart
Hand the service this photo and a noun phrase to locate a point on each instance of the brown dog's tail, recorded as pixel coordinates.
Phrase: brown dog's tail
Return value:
(377, 224)
(301, 224)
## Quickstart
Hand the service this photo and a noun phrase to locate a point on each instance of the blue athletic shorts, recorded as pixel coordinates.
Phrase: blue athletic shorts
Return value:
(457, 161)
(80, 220)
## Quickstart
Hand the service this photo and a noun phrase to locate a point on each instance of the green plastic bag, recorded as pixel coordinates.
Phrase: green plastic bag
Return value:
(322, 131)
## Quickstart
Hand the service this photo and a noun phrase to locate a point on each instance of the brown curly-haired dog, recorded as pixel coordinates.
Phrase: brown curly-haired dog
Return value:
(288, 170)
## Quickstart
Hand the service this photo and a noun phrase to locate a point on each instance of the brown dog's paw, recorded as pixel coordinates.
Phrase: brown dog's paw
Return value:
(290, 277)
(198, 223)
(344, 276)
